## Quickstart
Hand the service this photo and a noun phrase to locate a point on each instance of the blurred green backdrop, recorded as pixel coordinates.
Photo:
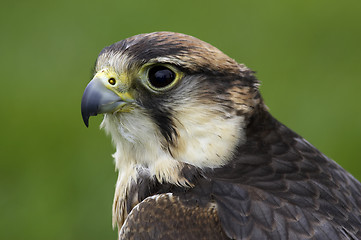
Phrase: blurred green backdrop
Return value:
(57, 177)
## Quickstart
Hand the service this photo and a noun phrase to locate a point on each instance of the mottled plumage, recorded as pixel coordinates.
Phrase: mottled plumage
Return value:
(202, 158)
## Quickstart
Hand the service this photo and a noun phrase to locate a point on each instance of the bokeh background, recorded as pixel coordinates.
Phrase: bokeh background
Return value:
(57, 177)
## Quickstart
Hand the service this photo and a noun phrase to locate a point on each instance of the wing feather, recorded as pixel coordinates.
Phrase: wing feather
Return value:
(165, 216)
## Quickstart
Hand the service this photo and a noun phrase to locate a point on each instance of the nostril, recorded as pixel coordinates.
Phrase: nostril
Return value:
(111, 81)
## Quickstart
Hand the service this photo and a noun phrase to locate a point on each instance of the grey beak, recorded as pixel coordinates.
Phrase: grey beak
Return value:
(98, 99)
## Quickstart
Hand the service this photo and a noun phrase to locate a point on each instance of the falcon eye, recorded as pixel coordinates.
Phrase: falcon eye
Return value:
(160, 76)
(111, 81)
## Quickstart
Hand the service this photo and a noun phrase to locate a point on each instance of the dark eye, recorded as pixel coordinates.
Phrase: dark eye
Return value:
(160, 76)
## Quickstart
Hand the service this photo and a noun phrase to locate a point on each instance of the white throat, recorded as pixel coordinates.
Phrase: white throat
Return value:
(206, 138)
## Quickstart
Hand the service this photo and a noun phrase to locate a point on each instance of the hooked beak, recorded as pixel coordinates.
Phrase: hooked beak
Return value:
(97, 98)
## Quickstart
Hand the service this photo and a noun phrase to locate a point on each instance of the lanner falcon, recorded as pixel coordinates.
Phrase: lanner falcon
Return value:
(200, 157)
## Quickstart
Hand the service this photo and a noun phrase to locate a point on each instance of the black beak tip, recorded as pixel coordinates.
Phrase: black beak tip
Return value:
(91, 101)
(85, 120)
(88, 108)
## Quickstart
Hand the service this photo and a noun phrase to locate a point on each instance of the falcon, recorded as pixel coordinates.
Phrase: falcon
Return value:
(199, 155)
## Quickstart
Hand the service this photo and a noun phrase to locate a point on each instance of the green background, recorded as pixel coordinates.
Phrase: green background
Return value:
(57, 177)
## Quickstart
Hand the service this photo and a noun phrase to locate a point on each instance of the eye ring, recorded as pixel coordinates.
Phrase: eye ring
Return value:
(111, 81)
(161, 77)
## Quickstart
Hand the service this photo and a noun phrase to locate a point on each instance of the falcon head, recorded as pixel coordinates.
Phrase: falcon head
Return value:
(169, 100)
(186, 118)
